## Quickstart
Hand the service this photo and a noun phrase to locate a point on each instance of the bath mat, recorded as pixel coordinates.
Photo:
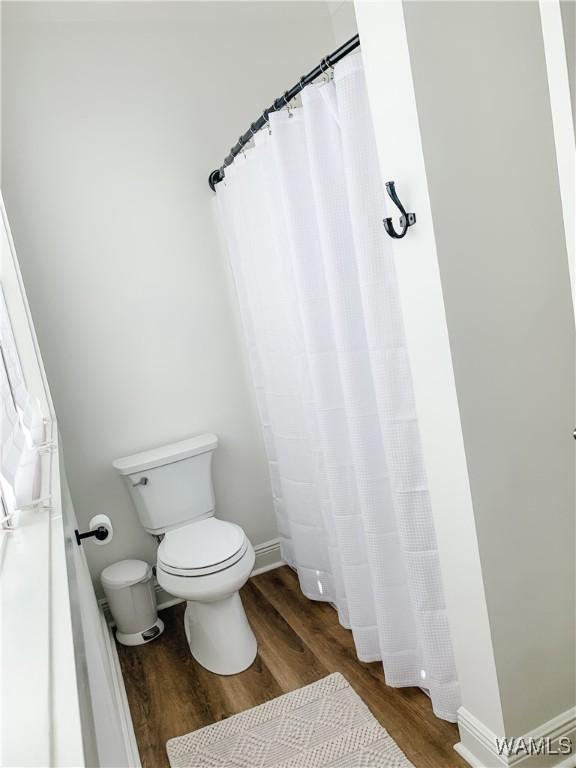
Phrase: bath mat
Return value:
(324, 725)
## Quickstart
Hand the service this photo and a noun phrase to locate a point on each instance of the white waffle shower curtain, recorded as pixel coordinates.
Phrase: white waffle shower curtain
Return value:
(302, 214)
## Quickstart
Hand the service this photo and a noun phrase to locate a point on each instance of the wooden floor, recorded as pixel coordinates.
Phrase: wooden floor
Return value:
(299, 641)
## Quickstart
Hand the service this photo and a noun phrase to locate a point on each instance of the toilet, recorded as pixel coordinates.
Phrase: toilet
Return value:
(201, 559)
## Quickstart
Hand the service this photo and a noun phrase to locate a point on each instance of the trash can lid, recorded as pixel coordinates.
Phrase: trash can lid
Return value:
(125, 573)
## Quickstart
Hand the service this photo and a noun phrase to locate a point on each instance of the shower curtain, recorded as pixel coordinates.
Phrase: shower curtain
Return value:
(314, 273)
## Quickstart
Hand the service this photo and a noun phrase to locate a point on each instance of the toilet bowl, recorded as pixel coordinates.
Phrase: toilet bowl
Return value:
(206, 563)
(201, 559)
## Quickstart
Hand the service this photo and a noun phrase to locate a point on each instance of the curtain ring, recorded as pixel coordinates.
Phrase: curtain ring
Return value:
(243, 147)
(287, 103)
(266, 116)
(329, 69)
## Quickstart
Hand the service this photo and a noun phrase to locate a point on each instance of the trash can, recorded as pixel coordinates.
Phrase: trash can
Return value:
(130, 594)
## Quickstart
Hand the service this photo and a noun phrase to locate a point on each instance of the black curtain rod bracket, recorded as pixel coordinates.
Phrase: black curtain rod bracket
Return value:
(327, 62)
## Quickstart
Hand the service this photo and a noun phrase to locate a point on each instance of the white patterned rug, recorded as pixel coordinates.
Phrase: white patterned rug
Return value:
(323, 725)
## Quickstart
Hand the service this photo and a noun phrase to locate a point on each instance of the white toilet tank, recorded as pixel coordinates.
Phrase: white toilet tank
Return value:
(172, 485)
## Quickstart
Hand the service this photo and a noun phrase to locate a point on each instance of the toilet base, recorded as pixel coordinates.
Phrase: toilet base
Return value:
(219, 635)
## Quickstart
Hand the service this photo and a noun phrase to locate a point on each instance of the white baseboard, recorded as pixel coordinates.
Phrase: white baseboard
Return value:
(164, 599)
(123, 709)
(268, 557)
(479, 746)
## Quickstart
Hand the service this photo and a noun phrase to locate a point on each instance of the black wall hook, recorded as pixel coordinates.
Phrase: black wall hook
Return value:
(406, 220)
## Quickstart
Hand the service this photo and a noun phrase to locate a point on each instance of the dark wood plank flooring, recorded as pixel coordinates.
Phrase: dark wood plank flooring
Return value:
(299, 641)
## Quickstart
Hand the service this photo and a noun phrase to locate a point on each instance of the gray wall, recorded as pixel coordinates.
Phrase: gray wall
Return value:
(343, 20)
(113, 116)
(481, 89)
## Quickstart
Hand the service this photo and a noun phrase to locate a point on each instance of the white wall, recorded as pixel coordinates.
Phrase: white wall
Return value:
(568, 11)
(1, 78)
(113, 116)
(559, 52)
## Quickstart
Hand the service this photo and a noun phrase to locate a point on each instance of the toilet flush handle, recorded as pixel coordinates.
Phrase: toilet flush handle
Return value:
(142, 481)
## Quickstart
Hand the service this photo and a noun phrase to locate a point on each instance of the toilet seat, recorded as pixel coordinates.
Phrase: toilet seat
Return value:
(201, 548)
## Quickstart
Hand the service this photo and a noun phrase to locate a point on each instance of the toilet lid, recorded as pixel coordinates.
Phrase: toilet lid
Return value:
(201, 545)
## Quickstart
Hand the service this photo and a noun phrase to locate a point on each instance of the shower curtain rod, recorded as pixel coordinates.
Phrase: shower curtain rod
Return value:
(281, 102)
